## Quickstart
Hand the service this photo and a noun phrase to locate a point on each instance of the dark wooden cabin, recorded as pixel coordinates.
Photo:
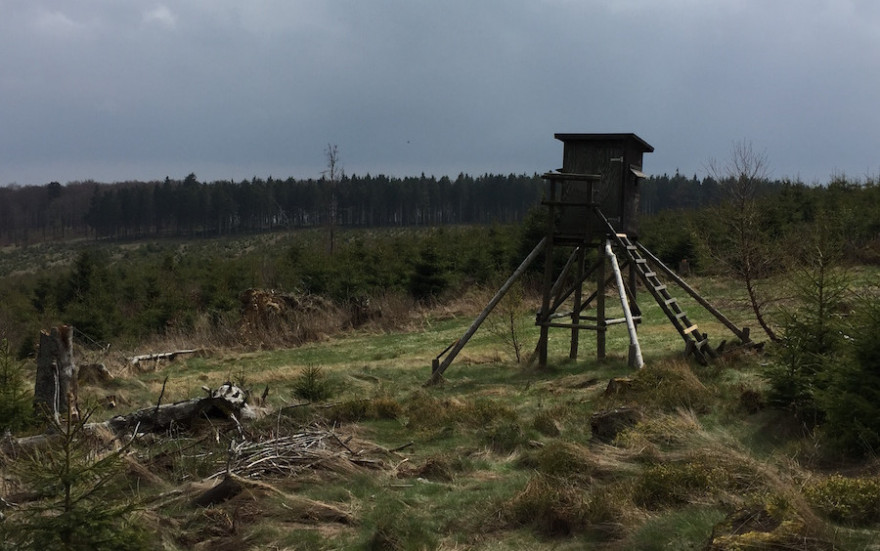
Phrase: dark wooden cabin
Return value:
(617, 161)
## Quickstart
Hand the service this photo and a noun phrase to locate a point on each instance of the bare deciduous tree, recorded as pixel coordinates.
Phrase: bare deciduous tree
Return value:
(747, 251)
(333, 174)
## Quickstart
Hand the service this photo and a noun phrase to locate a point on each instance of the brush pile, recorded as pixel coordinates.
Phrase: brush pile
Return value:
(290, 455)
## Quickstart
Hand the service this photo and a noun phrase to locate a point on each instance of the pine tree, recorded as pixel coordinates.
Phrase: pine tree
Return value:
(79, 499)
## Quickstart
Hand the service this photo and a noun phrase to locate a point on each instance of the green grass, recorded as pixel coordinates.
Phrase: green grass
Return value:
(500, 456)
(677, 530)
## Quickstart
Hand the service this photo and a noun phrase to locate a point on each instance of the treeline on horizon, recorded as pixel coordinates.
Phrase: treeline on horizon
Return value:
(189, 208)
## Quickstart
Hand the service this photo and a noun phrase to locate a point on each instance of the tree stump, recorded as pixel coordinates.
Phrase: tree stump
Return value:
(55, 385)
(606, 425)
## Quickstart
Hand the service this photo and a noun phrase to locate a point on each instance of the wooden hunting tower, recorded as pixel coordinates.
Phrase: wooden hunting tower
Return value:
(593, 204)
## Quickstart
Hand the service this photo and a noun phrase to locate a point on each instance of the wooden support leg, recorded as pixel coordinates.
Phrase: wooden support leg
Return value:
(544, 316)
(600, 307)
(633, 288)
(576, 310)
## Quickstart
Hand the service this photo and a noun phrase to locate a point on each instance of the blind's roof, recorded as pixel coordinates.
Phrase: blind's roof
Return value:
(645, 146)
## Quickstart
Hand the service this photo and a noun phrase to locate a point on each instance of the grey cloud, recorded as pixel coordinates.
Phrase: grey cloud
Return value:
(119, 90)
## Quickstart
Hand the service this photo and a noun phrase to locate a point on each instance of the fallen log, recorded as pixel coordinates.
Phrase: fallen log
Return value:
(135, 360)
(227, 402)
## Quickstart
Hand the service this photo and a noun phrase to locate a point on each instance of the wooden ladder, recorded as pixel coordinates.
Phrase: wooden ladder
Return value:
(696, 342)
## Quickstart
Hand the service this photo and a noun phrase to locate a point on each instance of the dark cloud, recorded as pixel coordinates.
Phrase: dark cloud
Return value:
(122, 90)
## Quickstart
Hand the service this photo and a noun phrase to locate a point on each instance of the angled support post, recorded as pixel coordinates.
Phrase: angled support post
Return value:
(635, 351)
(437, 368)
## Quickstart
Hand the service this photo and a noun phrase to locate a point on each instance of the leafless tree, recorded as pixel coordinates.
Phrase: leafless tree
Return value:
(747, 252)
(508, 322)
(333, 174)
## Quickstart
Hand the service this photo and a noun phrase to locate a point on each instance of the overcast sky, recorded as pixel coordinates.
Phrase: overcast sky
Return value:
(116, 90)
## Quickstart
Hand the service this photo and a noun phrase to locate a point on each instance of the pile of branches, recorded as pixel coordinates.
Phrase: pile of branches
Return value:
(272, 317)
(314, 448)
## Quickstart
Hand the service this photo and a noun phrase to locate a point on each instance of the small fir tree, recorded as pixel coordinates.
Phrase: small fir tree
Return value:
(813, 332)
(429, 278)
(852, 398)
(82, 503)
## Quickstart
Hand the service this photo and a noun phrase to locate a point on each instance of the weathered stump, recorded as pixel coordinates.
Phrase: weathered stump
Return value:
(55, 386)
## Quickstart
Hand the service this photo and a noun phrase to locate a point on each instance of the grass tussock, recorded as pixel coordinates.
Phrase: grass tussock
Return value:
(565, 460)
(546, 423)
(672, 385)
(424, 411)
(667, 385)
(666, 431)
(394, 526)
(557, 507)
(368, 409)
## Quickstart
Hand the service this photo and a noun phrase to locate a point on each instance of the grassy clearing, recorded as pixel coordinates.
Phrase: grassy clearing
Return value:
(499, 456)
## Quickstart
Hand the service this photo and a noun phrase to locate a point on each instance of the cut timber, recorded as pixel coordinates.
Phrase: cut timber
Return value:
(134, 360)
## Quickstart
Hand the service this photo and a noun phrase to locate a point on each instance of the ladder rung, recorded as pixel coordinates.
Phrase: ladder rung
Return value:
(681, 315)
(623, 235)
(650, 274)
(631, 247)
(659, 288)
(690, 329)
(641, 261)
(670, 301)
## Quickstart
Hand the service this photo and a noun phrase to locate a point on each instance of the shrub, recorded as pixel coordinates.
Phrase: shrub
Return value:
(429, 278)
(854, 501)
(681, 482)
(812, 335)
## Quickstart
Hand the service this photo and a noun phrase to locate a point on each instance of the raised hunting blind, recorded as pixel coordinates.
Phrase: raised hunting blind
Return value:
(593, 205)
